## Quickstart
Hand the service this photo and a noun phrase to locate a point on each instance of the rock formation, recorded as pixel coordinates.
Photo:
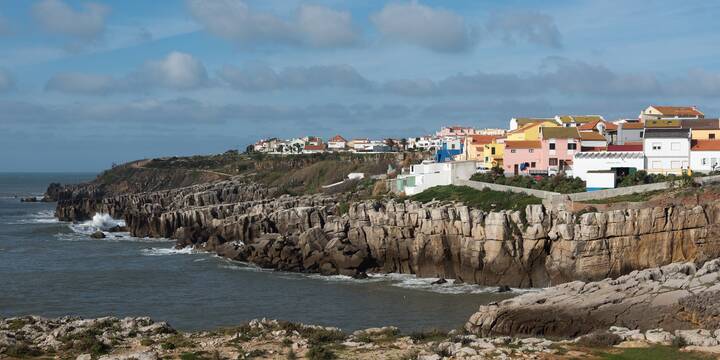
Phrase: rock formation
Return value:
(532, 248)
(675, 296)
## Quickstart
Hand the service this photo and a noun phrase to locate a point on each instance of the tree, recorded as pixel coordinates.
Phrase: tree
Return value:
(390, 143)
(249, 149)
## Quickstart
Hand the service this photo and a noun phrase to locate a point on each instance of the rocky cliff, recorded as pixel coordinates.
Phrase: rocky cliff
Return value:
(314, 233)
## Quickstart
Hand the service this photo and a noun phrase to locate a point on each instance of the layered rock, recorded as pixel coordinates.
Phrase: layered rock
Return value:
(675, 296)
(531, 248)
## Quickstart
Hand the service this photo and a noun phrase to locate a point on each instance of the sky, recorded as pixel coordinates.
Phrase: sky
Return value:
(85, 84)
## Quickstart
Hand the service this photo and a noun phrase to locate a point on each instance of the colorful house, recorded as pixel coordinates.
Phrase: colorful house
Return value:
(592, 141)
(522, 157)
(475, 145)
(530, 131)
(703, 129)
(630, 132)
(705, 155)
(577, 120)
(337, 143)
(451, 147)
(493, 154)
(559, 145)
(516, 123)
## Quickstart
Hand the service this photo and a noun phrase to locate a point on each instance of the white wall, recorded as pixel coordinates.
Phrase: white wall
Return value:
(602, 180)
(666, 155)
(581, 165)
(703, 161)
(428, 175)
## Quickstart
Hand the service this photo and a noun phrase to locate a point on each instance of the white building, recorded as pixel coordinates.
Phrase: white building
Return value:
(337, 143)
(667, 151)
(599, 168)
(705, 155)
(427, 143)
(428, 174)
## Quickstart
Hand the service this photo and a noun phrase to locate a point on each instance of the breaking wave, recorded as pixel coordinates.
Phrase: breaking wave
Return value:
(167, 251)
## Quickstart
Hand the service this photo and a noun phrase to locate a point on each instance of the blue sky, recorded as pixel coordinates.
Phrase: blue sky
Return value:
(84, 84)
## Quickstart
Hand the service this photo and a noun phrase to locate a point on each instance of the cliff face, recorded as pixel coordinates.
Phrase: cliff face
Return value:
(532, 248)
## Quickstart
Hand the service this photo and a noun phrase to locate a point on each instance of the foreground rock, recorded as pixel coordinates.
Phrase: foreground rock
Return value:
(676, 296)
(141, 338)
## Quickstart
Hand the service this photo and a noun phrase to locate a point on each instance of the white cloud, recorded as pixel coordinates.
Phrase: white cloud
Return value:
(263, 78)
(312, 25)
(6, 81)
(177, 71)
(530, 26)
(434, 28)
(56, 16)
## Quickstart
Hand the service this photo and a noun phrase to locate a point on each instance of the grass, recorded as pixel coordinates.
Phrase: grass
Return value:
(480, 199)
(654, 353)
(175, 342)
(428, 335)
(634, 197)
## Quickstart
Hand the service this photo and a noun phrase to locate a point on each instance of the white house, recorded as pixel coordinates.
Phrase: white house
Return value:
(705, 155)
(428, 174)
(667, 151)
(599, 168)
(337, 143)
(656, 112)
(428, 143)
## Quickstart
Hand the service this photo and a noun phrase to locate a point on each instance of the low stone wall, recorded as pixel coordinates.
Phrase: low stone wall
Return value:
(542, 194)
(604, 194)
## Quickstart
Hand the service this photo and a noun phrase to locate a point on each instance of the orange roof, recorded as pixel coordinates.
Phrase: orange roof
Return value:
(633, 125)
(522, 144)
(705, 145)
(338, 138)
(482, 139)
(591, 136)
(591, 125)
(314, 147)
(680, 111)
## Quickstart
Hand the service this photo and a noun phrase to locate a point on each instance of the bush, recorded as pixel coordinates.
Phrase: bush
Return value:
(485, 199)
(428, 335)
(319, 352)
(558, 183)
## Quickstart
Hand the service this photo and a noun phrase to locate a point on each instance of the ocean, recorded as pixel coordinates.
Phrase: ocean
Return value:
(52, 268)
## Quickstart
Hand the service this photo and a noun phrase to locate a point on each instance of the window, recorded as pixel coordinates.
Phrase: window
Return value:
(532, 164)
(531, 150)
(704, 161)
(572, 146)
(641, 134)
(552, 146)
(711, 136)
(492, 151)
(675, 146)
(553, 162)
(512, 151)
(657, 146)
(487, 159)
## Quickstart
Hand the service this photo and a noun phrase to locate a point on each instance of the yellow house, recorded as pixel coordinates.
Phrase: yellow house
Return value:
(705, 134)
(474, 146)
(530, 132)
(703, 129)
(493, 153)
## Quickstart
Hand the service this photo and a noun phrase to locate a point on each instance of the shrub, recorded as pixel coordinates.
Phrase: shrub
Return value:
(558, 183)
(319, 352)
(428, 335)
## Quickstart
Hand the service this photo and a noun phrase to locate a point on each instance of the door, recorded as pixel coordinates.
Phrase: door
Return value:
(515, 169)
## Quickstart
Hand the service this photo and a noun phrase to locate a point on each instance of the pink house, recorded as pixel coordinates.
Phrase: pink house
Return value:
(558, 146)
(522, 157)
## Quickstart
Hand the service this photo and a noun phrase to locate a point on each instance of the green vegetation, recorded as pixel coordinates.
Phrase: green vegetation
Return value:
(654, 353)
(558, 183)
(176, 341)
(428, 335)
(387, 335)
(634, 197)
(641, 177)
(481, 199)
(320, 352)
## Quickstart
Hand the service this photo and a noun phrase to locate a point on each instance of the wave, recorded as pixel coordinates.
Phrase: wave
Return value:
(103, 222)
(41, 217)
(167, 251)
(409, 281)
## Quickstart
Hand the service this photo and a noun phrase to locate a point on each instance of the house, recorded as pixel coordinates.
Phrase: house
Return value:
(474, 146)
(667, 151)
(451, 147)
(600, 169)
(605, 128)
(310, 148)
(705, 155)
(516, 123)
(367, 145)
(592, 140)
(337, 143)
(576, 120)
(522, 157)
(493, 154)
(530, 131)
(492, 132)
(703, 129)
(656, 112)
(428, 174)
(455, 131)
(558, 146)
(426, 143)
(663, 124)
(630, 132)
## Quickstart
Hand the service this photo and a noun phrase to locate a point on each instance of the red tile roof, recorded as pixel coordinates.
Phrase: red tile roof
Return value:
(314, 147)
(591, 125)
(705, 145)
(482, 139)
(591, 136)
(679, 111)
(338, 138)
(626, 147)
(522, 144)
(633, 125)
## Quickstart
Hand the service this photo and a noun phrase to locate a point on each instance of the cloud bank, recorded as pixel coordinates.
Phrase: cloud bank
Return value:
(58, 17)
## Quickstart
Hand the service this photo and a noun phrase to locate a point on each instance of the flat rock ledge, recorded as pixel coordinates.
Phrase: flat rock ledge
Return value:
(144, 339)
(676, 296)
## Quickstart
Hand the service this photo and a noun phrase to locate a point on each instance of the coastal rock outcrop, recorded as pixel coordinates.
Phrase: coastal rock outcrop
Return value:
(536, 247)
(675, 296)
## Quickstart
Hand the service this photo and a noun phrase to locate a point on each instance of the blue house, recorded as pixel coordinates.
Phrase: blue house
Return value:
(450, 148)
